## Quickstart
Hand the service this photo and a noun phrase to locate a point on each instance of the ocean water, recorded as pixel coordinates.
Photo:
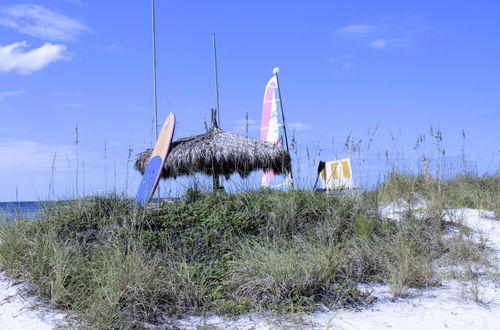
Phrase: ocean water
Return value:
(16, 210)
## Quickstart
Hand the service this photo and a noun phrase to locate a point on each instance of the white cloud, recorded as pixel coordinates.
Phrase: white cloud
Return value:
(378, 44)
(388, 33)
(41, 22)
(10, 131)
(61, 93)
(14, 58)
(76, 2)
(26, 155)
(74, 105)
(4, 95)
(349, 65)
(299, 126)
(355, 30)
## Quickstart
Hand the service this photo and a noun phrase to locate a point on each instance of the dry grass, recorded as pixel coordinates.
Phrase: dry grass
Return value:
(119, 266)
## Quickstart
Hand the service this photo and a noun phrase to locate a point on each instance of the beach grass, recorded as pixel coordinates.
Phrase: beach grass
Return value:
(118, 265)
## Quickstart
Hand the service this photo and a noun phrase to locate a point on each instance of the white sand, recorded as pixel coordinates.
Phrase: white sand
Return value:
(21, 313)
(445, 307)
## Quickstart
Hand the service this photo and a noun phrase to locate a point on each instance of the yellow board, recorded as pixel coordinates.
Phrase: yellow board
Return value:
(163, 143)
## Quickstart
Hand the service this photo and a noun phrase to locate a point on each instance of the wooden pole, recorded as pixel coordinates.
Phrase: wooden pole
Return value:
(215, 182)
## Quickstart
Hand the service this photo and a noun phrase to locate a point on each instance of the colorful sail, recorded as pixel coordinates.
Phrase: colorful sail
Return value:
(272, 126)
(337, 174)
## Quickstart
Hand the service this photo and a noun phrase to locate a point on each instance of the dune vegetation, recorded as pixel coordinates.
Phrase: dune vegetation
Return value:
(117, 265)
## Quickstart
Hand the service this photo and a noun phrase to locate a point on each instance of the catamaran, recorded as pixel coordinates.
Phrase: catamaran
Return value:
(273, 127)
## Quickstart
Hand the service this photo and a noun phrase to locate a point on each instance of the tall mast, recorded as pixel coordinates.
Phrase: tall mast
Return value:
(276, 71)
(216, 177)
(155, 90)
(216, 79)
(155, 95)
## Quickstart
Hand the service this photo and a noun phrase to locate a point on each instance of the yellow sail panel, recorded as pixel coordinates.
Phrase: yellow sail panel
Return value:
(337, 174)
(346, 169)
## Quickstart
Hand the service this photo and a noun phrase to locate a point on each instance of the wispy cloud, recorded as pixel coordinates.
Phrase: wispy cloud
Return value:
(389, 33)
(73, 105)
(41, 22)
(5, 95)
(10, 131)
(344, 62)
(25, 155)
(299, 126)
(378, 44)
(114, 47)
(14, 58)
(355, 30)
(62, 93)
(349, 65)
(76, 2)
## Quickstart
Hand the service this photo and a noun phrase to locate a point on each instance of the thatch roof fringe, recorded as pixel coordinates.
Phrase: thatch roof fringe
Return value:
(219, 152)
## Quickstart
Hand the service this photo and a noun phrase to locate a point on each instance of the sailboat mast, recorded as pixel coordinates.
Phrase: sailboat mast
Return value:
(155, 90)
(216, 79)
(276, 71)
(155, 93)
(216, 177)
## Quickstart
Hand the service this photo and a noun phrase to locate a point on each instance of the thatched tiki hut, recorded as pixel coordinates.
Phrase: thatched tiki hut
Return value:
(219, 153)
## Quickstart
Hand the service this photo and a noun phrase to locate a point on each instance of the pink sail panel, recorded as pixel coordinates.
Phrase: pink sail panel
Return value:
(272, 130)
(267, 108)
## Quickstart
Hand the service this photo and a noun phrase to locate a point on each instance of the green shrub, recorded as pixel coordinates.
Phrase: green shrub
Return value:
(118, 264)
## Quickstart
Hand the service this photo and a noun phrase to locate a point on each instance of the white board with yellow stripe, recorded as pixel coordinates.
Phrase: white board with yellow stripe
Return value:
(337, 174)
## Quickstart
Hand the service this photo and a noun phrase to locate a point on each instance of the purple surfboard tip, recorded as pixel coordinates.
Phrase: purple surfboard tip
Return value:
(149, 180)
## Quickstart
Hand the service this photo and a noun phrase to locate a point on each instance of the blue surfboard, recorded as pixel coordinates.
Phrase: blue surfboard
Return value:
(159, 155)
(148, 181)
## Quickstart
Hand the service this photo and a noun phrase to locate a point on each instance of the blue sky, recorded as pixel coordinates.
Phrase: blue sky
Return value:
(381, 70)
